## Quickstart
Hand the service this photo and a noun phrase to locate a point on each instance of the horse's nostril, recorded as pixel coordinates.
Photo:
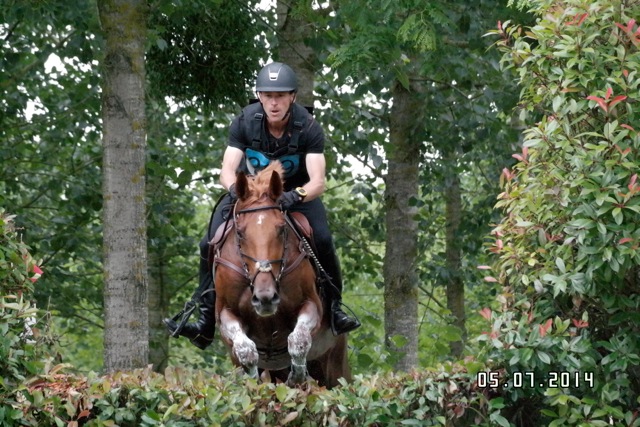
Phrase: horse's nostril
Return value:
(269, 300)
(255, 300)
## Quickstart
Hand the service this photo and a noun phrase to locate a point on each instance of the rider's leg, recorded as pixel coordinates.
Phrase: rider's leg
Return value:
(315, 212)
(201, 332)
(341, 321)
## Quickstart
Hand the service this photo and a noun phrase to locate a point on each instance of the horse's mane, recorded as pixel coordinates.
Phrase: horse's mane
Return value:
(259, 184)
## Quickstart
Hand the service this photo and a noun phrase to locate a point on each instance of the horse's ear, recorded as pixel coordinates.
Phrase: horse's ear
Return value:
(242, 186)
(275, 186)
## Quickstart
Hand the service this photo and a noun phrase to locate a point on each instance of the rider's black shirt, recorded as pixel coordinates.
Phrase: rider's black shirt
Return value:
(311, 140)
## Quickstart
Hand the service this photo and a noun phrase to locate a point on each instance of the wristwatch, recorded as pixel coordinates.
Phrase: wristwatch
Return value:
(301, 192)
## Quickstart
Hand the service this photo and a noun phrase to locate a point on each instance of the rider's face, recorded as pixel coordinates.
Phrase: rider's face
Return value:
(276, 104)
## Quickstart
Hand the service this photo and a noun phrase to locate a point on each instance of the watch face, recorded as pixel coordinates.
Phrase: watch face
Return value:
(301, 191)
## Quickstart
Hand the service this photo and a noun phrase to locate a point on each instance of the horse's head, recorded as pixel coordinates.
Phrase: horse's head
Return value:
(261, 235)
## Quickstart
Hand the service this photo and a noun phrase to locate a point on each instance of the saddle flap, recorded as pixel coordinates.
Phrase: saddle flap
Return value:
(302, 224)
(221, 234)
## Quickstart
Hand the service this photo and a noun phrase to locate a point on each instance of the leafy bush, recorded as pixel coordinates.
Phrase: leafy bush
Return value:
(22, 352)
(567, 247)
(181, 398)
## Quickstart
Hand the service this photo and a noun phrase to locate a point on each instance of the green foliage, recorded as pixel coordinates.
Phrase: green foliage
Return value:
(459, 128)
(382, 36)
(23, 342)
(417, 29)
(195, 50)
(185, 398)
(50, 154)
(567, 246)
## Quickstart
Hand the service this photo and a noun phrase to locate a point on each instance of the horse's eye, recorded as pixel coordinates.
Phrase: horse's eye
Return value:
(240, 233)
(281, 230)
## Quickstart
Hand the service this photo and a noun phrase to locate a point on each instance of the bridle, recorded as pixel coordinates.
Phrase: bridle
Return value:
(263, 266)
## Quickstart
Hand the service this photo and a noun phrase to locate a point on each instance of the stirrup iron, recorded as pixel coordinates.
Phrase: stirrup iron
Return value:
(183, 315)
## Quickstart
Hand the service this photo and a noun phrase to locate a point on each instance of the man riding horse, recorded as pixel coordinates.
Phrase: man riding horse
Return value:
(275, 128)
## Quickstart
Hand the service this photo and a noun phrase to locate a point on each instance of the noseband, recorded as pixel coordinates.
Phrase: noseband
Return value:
(263, 266)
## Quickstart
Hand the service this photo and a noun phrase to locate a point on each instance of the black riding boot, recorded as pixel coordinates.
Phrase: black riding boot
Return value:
(341, 322)
(201, 332)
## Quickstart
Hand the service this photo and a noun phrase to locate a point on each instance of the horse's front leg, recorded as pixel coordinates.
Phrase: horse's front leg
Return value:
(243, 348)
(300, 341)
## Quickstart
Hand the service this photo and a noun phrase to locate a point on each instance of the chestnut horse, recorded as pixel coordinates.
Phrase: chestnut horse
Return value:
(268, 307)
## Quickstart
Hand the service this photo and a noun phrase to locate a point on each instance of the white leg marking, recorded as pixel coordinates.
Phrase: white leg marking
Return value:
(243, 348)
(300, 341)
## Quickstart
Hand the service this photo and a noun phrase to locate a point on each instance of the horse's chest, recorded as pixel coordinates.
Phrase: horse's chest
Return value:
(272, 346)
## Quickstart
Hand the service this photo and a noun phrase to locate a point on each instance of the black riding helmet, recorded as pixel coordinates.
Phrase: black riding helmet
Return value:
(276, 77)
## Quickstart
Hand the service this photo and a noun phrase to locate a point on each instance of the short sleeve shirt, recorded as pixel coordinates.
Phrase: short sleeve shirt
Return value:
(268, 148)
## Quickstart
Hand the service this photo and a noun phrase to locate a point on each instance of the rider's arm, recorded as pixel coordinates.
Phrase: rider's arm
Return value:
(230, 162)
(316, 168)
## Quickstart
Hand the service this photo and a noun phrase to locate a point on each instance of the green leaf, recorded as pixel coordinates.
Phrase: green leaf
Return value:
(151, 417)
(617, 215)
(411, 422)
(544, 357)
(498, 419)
(450, 333)
(399, 341)
(497, 403)
(282, 392)
(581, 223)
(524, 224)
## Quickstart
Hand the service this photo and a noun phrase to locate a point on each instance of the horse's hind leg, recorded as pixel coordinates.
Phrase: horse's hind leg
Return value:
(316, 371)
(336, 365)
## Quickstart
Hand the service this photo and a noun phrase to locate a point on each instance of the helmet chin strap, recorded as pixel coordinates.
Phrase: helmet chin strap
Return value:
(286, 116)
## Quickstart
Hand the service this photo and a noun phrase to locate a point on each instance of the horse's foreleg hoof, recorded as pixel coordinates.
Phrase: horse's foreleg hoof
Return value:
(247, 354)
(252, 371)
(299, 344)
(298, 375)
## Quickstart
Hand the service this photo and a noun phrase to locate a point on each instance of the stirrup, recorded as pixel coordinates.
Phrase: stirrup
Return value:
(353, 317)
(184, 316)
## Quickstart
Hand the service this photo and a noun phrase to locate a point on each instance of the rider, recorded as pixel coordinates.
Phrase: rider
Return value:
(276, 128)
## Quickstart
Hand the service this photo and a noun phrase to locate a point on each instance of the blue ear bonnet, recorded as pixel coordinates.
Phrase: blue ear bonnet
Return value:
(256, 161)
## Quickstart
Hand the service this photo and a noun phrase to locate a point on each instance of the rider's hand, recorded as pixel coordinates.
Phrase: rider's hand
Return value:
(289, 199)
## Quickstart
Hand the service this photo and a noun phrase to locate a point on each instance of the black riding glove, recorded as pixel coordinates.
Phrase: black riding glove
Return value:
(289, 199)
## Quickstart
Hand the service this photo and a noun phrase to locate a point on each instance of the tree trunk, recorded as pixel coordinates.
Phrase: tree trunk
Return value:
(126, 342)
(293, 29)
(400, 276)
(455, 285)
(158, 337)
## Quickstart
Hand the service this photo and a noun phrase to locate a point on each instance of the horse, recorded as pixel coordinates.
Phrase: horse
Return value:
(269, 308)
